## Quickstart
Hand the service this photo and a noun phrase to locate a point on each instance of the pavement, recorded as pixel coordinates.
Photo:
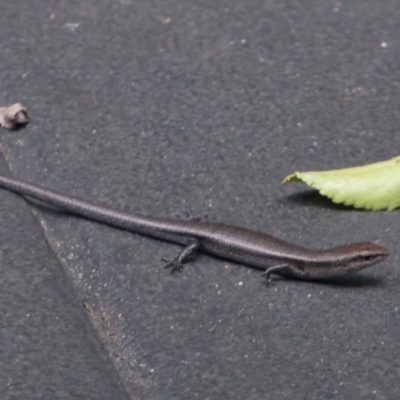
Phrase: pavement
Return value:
(194, 109)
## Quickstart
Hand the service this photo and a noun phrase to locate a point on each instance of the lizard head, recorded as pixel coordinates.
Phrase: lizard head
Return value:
(356, 256)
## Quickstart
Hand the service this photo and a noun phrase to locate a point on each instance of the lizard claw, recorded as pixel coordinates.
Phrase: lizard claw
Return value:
(174, 264)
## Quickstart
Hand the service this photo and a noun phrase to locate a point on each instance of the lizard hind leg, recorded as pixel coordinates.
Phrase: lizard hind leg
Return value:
(189, 252)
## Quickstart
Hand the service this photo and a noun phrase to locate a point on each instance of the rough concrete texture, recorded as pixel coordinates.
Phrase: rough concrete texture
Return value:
(200, 109)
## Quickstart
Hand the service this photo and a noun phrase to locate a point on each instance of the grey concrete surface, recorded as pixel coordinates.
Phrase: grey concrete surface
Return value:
(48, 350)
(195, 108)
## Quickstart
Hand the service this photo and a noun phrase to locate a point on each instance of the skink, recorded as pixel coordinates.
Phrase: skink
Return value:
(231, 242)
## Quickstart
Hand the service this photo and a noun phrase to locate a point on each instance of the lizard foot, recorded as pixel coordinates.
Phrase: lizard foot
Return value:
(174, 264)
(267, 279)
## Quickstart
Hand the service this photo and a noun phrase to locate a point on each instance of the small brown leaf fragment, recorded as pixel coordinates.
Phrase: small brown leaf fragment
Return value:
(13, 116)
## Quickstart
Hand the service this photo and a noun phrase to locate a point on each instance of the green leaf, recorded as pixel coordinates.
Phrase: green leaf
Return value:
(373, 187)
